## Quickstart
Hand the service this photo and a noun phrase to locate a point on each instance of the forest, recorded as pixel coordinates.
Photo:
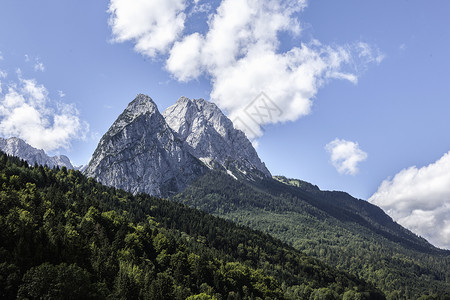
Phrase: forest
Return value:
(65, 236)
(339, 230)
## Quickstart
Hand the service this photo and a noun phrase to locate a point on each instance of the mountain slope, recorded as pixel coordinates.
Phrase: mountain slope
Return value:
(18, 147)
(345, 208)
(351, 234)
(65, 236)
(140, 153)
(213, 138)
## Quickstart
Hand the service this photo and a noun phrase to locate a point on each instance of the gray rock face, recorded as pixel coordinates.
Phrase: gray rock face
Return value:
(144, 151)
(17, 147)
(213, 138)
(141, 153)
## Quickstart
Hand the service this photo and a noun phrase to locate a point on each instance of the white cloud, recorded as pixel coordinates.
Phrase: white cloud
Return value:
(369, 54)
(419, 199)
(185, 59)
(345, 156)
(39, 66)
(36, 94)
(200, 8)
(27, 112)
(240, 54)
(61, 94)
(152, 25)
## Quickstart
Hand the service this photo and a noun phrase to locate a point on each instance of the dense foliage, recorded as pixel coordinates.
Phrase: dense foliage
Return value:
(342, 231)
(64, 236)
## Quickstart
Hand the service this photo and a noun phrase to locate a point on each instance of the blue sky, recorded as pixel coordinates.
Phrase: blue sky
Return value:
(364, 87)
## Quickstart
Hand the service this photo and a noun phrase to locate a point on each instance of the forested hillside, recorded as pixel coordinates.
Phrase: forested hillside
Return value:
(64, 236)
(342, 231)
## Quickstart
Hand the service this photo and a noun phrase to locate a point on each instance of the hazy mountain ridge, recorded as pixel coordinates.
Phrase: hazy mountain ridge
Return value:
(17, 147)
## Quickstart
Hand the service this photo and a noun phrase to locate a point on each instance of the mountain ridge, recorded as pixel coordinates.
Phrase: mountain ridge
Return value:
(140, 153)
(348, 233)
(161, 154)
(17, 147)
(212, 136)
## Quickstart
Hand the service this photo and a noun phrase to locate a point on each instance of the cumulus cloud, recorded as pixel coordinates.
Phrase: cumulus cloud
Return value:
(152, 25)
(27, 112)
(419, 199)
(239, 52)
(345, 156)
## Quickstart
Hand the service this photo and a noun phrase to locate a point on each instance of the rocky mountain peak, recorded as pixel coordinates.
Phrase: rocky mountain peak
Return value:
(212, 136)
(17, 147)
(161, 154)
(141, 153)
(141, 105)
(187, 115)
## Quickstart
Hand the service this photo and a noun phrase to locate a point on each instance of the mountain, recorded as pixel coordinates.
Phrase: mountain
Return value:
(347, 233)
(140, 153)
(65, 236)
(161, 154)
(17, 147)
(213, 138)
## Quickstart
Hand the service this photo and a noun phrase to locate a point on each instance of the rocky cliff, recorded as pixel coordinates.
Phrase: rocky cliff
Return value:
(213, 138)
(141, 153)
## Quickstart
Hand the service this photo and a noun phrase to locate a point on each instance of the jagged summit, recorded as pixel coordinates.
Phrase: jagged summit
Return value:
(141, 105)
(183, 116)
(212, 136)
(18, 147)
(161, 154)
(141, 153)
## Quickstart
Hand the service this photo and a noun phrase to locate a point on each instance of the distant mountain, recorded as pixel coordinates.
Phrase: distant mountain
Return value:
(140, 153)
(213, 139)
(161, 155)
(17, 147)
